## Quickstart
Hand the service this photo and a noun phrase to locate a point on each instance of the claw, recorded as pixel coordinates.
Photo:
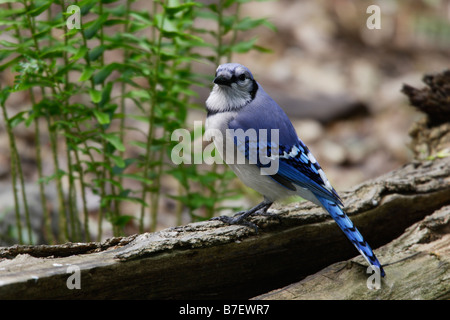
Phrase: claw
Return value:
(237, 221)
(239, 217)
(239, 213)
(267, 214)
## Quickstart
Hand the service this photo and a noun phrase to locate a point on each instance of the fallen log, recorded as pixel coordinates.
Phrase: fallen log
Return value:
(421, 257)
(208, 260)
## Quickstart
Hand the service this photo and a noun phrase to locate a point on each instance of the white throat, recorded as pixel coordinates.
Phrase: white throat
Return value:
(223, 98)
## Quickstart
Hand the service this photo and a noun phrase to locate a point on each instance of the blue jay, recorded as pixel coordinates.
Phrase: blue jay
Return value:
(238, 102)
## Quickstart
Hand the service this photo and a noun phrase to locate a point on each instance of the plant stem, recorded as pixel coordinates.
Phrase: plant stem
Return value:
(71, 199)
(13, 160)
(235, 32)
(43, 198)
(153, 81)
(47, 218)
(123, 85)
(83, 197)
(52, 134)
(62, 212)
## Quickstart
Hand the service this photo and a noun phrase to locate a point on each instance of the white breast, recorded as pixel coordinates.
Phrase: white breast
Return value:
(249, 174)
(215, 129)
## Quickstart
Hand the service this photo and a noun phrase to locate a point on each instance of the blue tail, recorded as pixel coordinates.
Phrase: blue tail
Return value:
(346, 225)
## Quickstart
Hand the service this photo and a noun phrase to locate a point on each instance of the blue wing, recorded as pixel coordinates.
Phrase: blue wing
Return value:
(297, 167)
(304, 171)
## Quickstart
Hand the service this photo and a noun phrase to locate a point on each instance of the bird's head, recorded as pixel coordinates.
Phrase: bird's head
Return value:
(234, 87)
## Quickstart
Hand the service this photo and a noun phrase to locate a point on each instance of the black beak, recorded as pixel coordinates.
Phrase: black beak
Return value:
(222, 80)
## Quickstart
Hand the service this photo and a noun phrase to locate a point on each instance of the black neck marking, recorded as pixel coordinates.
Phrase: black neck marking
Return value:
(254, 89)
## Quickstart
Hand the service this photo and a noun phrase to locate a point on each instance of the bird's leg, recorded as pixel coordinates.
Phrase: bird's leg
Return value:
(265, 213)
(239, 217)
(259, 209)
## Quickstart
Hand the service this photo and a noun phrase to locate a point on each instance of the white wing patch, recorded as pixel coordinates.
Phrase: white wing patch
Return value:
(327, 183)
(294, 152)
(311, 158)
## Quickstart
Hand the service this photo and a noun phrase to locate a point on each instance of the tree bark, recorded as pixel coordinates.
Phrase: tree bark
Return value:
(431, 135)
(209, 260)
(419, 269)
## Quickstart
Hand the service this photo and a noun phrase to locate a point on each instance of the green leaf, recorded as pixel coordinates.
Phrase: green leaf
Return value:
(93, 27)
(100, 76)
(142, 18)
(86, 6)
(56, 50)
(96, 95)
(11, 62)
(262, 49)
(137, 177)
(59, 174)
(17, 119)
(248, 23)
(164, 24)
(80, 53)
(86, 74)
(106, 96)
(143, 94)
(118, 161)
(244, 46)
(114, 140)
(139, 144)
(117, 11)
(102, 117)
(95, 53)
(120, 221)
(4, 94)
(123, 198)
(172, 10)
(141, 118)
(9, 44)
(37, 11)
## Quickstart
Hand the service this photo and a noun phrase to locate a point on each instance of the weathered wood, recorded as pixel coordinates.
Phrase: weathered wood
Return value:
(420, 269)
(431, 134)
(210, 260)
(433, 98)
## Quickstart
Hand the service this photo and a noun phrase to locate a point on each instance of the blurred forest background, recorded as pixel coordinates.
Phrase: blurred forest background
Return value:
(338, 81)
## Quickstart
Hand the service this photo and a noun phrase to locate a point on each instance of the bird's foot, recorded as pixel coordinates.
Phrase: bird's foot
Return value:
(237, 219)
(267, 214)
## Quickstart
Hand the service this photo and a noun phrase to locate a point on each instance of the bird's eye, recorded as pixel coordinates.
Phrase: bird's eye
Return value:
(241, 77)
